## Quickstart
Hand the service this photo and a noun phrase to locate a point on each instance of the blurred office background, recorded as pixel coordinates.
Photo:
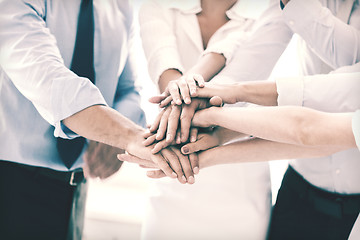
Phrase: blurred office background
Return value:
(115, 206)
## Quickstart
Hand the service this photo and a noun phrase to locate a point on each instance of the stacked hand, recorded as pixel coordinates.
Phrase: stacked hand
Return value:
(173, 133)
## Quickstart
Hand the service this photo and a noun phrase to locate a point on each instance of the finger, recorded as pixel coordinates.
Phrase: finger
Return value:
(160, 145)
(133, 159)
(185, 121)
(164, 160)
(158, 98)
(147, 134)
(173, 122)
(216, 101)
(193, 134)
(186, 166)
(157, 120)
(193, 147)
(175, 164)
(194, 160)
(192, 85)
(200, 80)
(146, 167)
(184, 90)
(166, 102)
(178, 137)
(163, 124)
(174, 92)
(155, 174)
(149, 140)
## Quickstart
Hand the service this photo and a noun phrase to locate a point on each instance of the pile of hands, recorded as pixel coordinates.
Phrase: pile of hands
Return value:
(172, 144)
(180, 131)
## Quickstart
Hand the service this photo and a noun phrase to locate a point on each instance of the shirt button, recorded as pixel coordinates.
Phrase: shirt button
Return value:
(291, 22)
(337, 171)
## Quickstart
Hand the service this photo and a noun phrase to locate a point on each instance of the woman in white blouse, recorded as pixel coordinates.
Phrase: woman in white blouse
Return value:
(229, 202)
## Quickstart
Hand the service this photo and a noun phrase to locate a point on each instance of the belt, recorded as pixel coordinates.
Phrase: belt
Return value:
(73, 178)
(330, 203)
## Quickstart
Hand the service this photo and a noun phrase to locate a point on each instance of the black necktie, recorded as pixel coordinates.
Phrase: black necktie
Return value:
(83, 65)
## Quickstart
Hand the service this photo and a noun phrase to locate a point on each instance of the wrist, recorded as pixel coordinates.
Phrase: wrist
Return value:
(211, 116)
(208, 158)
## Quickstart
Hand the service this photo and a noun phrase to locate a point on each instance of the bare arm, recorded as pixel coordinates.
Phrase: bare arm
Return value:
(259, 150)
(257, 92)
(103, 124)
(293, 125)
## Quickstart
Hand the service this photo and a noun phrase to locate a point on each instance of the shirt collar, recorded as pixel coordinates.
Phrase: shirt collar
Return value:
(242, 9)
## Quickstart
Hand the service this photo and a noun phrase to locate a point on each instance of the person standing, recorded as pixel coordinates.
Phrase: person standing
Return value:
(52, 54)
(227, 202)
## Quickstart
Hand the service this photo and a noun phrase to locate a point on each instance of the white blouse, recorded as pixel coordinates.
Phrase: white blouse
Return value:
(226, 202)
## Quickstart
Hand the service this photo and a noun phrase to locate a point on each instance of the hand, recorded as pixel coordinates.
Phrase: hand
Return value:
(151, 139)
(204, 118)
(101, 161)
(188, 163)
(204, 142)
(169, 160)
(168, 120)
(184, 88)
(229, 93)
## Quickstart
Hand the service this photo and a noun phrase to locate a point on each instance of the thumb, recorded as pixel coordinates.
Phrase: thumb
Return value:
(155, 174)
(158, 98)
(193, 147)
(216, 101)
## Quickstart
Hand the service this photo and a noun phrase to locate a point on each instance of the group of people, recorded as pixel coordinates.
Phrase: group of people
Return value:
(70, 107)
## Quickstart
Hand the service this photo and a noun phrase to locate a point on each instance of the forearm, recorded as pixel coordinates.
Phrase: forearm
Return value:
(226, 135)
(208, 65)
(259, 92)
(259, 150)
(103, 124)
(167, 76)
(293, 125)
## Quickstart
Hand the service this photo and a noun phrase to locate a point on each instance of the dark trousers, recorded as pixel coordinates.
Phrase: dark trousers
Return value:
(34, 206)
(303, 211)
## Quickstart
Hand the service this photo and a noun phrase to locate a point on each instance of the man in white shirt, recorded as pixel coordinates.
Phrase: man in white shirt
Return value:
(47, 94)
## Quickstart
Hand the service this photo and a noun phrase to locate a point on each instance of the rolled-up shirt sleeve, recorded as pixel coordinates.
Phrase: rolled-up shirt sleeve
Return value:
(158, 39)
(336, 92)
(334, 41)
(30, 57)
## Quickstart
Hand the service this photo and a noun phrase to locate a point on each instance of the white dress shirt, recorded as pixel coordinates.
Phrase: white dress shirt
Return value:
(37, 89)
(338, 92)
(226, 202)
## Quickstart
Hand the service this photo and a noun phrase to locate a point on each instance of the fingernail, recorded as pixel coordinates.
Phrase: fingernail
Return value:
(185, 149)
(196, 170)
(193, 91)
(187, 100)
(191, 180)
(183, 178)
(193, 139)
(178, 102)
(174, 175)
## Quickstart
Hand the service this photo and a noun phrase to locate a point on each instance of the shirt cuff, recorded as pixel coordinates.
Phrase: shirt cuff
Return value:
(71, 97)
(290, 91)
(356, 127)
